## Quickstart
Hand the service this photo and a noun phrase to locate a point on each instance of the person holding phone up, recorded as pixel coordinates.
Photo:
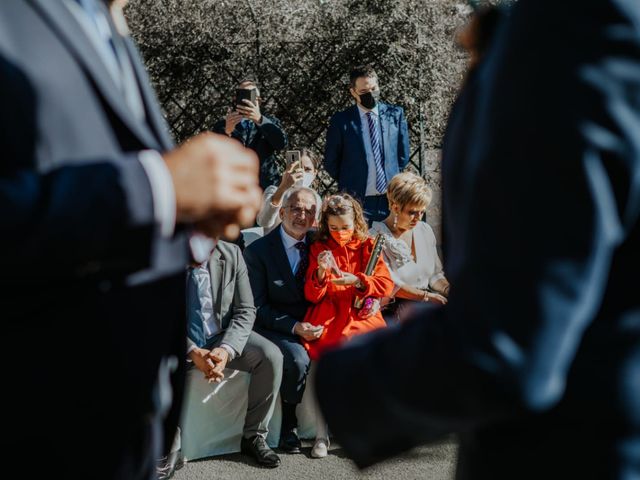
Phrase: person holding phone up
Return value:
(261, 133)
(301, 170)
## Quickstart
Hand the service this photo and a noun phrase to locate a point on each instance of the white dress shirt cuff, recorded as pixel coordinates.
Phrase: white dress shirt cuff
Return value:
(232, 353)
(164, 196)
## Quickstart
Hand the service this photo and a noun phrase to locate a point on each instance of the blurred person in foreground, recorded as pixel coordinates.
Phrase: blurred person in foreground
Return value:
(535, 361)
(100, 215)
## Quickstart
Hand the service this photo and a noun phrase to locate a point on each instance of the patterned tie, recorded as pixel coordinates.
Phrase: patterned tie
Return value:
(304, 262)
(376, 146)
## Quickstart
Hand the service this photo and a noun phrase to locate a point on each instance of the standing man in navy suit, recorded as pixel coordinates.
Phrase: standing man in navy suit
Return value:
(367, 144)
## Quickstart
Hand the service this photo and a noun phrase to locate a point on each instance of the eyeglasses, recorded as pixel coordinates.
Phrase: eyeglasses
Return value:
(298, 211)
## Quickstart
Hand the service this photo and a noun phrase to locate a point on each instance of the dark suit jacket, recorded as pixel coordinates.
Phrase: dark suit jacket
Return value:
(345, 158)
(233, 300)
(534, 361)
(265, 139)
(85, 277)
(278, 298)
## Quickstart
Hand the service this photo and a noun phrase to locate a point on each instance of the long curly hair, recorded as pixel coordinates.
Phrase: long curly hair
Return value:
(341, 204)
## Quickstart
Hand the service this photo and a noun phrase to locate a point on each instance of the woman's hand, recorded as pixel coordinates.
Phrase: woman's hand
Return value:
(370, 308)
(290, 176)
(434, 298)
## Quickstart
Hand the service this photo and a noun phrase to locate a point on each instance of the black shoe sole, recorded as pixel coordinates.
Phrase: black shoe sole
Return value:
(290, 450)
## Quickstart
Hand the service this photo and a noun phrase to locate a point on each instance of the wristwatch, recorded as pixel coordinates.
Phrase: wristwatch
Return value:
(359, 285)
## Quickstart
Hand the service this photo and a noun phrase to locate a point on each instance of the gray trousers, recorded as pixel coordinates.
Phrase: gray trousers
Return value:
(263, 361)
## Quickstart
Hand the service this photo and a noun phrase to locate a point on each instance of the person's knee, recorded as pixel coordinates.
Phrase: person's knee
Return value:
(272, 356)
(299, 365)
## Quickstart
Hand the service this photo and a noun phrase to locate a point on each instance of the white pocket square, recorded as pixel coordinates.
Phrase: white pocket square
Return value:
(279, 283)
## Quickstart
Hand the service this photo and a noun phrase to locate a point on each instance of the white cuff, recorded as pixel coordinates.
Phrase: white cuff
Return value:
(164, 195)
(230, 351)
(201, 247)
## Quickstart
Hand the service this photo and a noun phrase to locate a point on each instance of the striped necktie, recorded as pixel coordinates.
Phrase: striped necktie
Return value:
(376, 147)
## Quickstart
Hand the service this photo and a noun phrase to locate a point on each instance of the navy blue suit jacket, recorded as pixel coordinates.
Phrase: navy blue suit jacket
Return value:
(535, 361)
(85, 276)
(278, 297)
(345, 158)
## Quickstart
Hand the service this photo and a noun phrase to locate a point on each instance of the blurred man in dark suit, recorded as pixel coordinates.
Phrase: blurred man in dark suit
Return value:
(98, 209)
(535, 361)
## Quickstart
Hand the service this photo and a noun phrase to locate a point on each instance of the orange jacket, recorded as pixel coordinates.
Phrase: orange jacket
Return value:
(333, 304)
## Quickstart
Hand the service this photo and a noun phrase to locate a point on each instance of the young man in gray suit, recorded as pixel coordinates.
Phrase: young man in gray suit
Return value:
(220, 315)
(277, 265)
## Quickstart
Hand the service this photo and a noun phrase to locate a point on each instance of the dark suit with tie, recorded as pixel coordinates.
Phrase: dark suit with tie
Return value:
(234, 315)
(91, 294)
(345, 157)
(265, 139)
(535, 360)
(280, 303)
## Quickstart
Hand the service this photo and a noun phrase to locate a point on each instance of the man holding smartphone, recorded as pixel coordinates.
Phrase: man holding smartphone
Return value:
(261, 133)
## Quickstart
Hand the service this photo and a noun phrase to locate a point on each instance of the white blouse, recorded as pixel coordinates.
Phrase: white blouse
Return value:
(268, 216)
(422, 272)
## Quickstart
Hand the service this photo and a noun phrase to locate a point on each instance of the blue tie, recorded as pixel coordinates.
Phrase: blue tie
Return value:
(376, 147)
(195, 328)
(102, 26)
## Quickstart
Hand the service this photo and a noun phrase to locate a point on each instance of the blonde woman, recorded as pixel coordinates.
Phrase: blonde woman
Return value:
(410, 247)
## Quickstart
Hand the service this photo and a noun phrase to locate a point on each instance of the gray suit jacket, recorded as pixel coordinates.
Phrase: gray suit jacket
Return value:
(233, 301)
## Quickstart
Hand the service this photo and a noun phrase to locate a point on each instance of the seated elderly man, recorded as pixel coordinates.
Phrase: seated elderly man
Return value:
(221, 315)
(277, 264)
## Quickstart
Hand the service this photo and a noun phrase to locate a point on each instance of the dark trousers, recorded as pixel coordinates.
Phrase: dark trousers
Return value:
(376, 208)
(295, 365)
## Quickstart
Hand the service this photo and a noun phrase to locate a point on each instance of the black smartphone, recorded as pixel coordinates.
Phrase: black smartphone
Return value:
(291, 156)
(245, 94)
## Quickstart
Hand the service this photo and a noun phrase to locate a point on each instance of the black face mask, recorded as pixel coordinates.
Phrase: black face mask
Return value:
(370, 99)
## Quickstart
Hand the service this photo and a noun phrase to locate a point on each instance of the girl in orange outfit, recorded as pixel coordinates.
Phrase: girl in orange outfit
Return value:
(342, 231)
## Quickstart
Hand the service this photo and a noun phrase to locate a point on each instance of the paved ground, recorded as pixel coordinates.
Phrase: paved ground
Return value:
(435, 462)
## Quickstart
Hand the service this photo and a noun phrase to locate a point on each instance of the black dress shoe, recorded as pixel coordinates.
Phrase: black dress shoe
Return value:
(257, 447)
(289, 442)
(168, 465)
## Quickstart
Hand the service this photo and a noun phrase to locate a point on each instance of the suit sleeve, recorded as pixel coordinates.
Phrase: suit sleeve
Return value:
(379, 284)
(403, 142)
(314, 291)
(244, 311)
(483, 358)
(273, 133)
(268, 214)
(333, 149)
(76, 220)
(266, 316)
